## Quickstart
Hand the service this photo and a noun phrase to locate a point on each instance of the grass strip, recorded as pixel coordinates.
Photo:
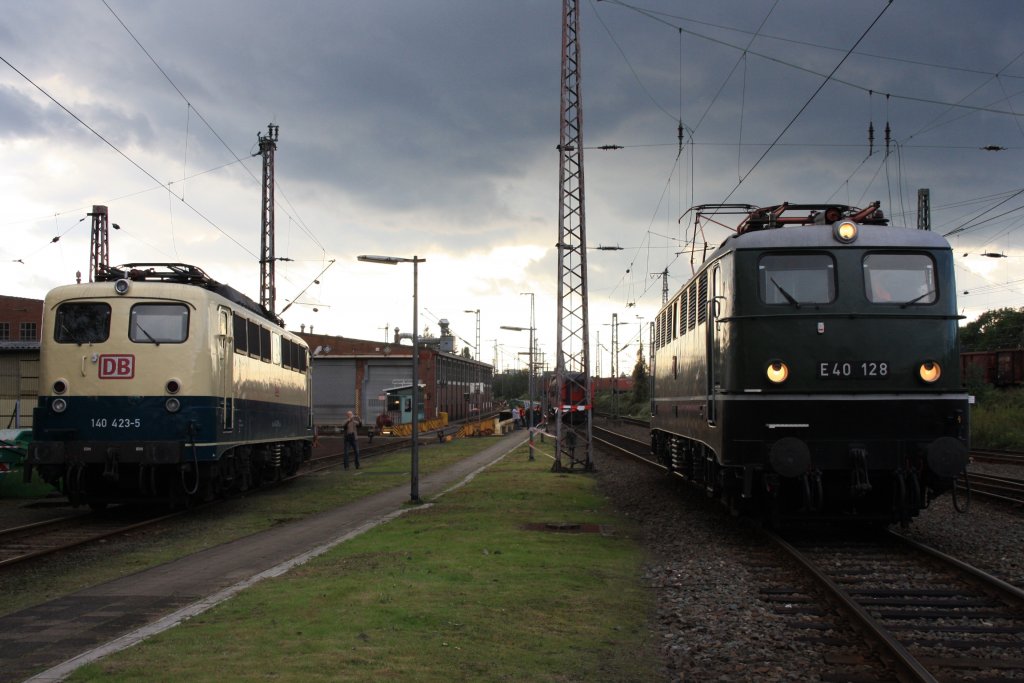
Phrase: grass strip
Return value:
(463, 590)
(232, 519)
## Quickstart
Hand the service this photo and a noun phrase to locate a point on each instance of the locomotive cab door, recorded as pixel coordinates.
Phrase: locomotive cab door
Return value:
(225, 367)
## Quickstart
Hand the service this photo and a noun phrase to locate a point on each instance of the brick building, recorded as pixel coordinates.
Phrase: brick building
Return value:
(20, 322)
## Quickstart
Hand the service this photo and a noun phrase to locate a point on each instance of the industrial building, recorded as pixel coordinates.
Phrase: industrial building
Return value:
(19, 359)
(358, 375)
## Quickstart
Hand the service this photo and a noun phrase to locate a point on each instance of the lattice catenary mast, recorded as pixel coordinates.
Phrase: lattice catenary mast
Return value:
(99, 256)
(573, 436)
(268, 145)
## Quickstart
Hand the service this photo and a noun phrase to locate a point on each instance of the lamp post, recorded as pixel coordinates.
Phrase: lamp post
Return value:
(477, 350)
(530, 385)
(414, 494)
(529, 390)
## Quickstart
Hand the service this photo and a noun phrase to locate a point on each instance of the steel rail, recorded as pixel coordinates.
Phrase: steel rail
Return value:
(908, 662)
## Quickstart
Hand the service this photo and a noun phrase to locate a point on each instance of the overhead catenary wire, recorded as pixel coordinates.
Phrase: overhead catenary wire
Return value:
(808, 70)
(192, 108)
(810, 99)
(820, 46)
(122, 153)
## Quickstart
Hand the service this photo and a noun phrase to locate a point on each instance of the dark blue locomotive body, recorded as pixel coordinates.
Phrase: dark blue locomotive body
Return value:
(812, 370)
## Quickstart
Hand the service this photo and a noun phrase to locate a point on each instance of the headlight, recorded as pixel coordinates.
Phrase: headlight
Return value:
(60, 386)
(173, 386)
(173, 405)
(59, 405)
(929, 371)
(121, 286)
(777, 372)
(845, 232)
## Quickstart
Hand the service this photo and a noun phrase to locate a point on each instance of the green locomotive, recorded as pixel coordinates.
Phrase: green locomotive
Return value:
(810, 368)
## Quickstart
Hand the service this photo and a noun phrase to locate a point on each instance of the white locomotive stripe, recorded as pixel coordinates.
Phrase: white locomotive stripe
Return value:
(232, 444)
(815, 397)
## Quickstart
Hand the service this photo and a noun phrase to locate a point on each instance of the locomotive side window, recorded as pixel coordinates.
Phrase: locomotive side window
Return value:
(240, 337)
(158, 323)
(795, 279)
(253, 333)
(264, 344)
(905, 279)
(82, 323)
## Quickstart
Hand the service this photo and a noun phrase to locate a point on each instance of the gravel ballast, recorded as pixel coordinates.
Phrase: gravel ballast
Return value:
(707, 572)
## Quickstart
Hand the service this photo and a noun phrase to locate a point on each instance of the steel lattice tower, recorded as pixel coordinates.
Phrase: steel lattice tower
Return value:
(268, 145)
(99, 257)
(574, 436)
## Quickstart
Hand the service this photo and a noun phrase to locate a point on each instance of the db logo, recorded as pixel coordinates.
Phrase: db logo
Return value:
(117, 367)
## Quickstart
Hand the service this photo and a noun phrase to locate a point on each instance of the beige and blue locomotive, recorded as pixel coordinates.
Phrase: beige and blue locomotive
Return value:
(810, 368)
(159, 383)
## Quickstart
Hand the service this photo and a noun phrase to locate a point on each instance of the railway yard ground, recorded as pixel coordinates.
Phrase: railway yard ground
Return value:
(520, 575)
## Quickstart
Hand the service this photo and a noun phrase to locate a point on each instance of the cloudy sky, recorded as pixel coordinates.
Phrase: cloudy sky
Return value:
(428, 128)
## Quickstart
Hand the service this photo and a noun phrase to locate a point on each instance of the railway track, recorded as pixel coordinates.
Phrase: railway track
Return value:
(1004, 489)
(937, 617)
(625, 445)
(999, 457)
(19, 544)
(31, 541)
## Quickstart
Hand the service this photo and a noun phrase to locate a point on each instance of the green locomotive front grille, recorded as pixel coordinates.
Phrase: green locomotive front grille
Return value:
(885, 428)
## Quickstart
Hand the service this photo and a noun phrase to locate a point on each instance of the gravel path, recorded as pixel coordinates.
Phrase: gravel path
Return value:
(712, 622)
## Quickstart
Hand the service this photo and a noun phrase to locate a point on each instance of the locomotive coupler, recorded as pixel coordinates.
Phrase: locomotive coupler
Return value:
(814, 491)
(748, 481)
(110, 465)
(860, 483)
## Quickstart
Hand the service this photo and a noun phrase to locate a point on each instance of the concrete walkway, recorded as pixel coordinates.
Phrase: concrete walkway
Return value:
(64, 634)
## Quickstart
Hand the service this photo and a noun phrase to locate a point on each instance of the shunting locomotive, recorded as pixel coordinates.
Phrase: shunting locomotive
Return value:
(159, 383)
(810, 368)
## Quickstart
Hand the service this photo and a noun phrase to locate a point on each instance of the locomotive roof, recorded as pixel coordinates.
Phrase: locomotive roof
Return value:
(820, 236)
(182, 273)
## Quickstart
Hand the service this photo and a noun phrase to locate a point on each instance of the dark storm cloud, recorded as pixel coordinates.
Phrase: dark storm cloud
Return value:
(439, 107)
(22, 117)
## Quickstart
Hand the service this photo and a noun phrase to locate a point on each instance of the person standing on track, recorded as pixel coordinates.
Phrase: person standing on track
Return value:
(352, 424)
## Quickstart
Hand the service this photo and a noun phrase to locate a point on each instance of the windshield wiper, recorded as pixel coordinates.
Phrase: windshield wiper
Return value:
(789, 297)
(917, 298)
(142, 329)
(67, 335)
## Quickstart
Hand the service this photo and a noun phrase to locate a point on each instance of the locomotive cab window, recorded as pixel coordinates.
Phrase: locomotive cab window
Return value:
(158, 323)
(82, 323)
(904, 279)
(794, 279)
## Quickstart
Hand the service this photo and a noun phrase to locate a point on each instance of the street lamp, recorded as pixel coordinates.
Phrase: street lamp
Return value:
(529, 390)
(415, 261)
(477, 312)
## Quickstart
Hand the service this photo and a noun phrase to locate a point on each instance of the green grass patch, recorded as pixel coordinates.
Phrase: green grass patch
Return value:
(996, 417)
(458, 591)
(225, 522)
